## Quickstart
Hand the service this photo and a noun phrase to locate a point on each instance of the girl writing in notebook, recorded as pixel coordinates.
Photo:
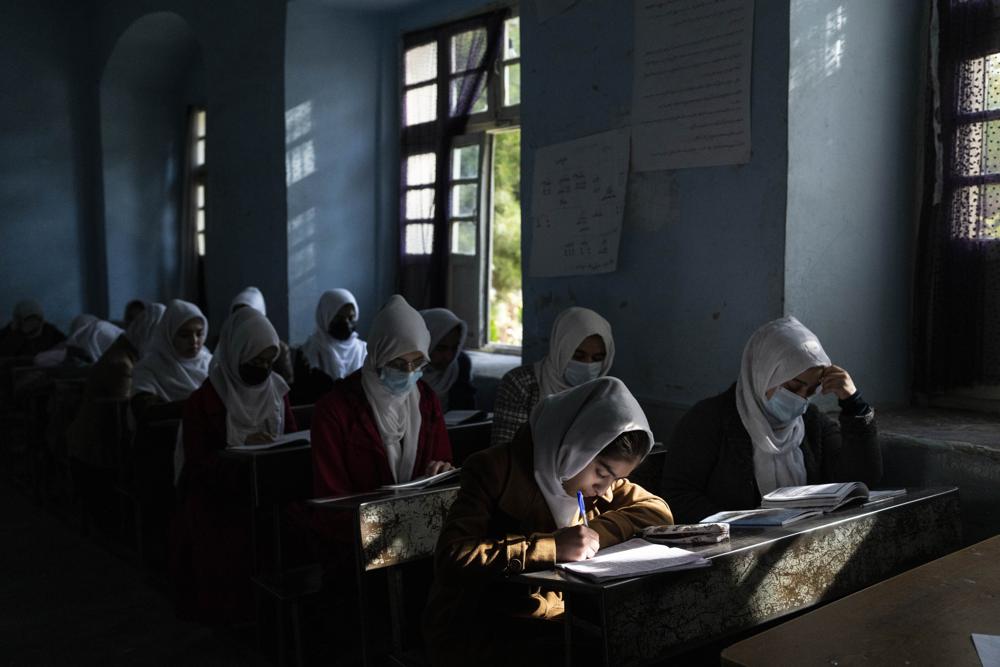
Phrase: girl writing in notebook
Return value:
(763, 433)
(517, 511)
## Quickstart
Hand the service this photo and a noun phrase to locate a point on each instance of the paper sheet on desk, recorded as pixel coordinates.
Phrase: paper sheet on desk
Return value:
(988, 648)
(634, 558)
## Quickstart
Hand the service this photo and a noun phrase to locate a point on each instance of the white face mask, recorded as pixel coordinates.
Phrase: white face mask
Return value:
(785, 406)
(578, 372)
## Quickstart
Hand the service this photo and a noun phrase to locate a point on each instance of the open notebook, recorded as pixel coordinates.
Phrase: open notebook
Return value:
(298, 438)
(633, 558)
(826, 497)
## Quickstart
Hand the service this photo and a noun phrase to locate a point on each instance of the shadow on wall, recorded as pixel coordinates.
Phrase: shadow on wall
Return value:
(155, 74)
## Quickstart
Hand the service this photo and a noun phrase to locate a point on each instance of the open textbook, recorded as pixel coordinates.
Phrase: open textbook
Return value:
(298, 437)
(422, 482)
(771, 516)
(634, 558)
(825, 497)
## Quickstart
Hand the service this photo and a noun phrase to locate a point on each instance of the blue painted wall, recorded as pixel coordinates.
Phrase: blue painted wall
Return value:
(854, 101)
(47, 235)
(332, 92)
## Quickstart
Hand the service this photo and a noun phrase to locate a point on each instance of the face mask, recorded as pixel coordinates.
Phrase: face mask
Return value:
(399, 382)
(341, 329)
(785, 406)
(578, 372)
(253, 375)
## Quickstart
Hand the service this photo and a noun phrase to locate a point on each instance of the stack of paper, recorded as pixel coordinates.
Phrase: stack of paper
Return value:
(826, 497)
(634, 558)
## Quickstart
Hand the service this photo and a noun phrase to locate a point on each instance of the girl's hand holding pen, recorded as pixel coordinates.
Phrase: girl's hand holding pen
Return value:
(576, 543)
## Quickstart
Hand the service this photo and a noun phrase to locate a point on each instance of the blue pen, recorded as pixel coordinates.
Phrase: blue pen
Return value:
(583, 509)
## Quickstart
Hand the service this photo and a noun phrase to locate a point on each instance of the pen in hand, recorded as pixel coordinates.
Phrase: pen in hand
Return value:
(583, 508)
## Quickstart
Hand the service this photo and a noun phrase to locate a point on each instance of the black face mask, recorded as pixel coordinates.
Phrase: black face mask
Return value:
(253, 375)
(341, 329)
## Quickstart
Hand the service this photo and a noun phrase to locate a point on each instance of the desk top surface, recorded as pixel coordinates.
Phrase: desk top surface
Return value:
(923, 616)
(378, 497)
(747, 538)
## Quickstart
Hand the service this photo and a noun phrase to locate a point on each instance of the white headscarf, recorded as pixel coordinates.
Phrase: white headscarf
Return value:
(140, 331)
(777, 352)
(80, 321)
(251, 297)
(336, 358)
(25, 309)
(441, 322)
(397, 330)
(162, 371)
(249, 409)
(94, 338)
(571, 327)
(570, 429)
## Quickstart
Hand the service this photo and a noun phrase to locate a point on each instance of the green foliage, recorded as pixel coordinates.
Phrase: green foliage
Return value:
(505, 295)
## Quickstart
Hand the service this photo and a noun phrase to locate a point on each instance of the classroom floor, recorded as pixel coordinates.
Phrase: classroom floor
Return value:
(66, 600)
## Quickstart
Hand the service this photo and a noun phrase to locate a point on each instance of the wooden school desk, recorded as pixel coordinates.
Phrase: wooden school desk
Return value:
(924, 616)
(392, 528)
(760, 575)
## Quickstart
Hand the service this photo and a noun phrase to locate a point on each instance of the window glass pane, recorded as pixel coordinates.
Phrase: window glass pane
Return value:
(201, 245)
(200, 122)
(199, 153)
(421, 63)
(977, 149)
(465, 162)
(512, 38)
(421, 169)
(467, 49)
(975, 212)
(512, 85)
(420, 105)
(463, 238)
(458, 86)
(419, 239)
(420, 204)
(464, 199)
(199, 195)
(979, 84)
(200, 220)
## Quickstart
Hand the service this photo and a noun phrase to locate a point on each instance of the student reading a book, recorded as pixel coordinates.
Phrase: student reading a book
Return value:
(252, 297)
(449, 372)
(381, 424)
(175, 362)
(333, 351)
(517, 511)
(581, 348)
(242, 403)
(763, 433)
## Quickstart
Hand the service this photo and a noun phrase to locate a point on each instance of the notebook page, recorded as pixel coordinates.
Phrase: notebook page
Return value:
(633, 558)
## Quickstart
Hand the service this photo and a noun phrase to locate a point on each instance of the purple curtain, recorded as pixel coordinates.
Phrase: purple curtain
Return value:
(958, 287)
(423, 279)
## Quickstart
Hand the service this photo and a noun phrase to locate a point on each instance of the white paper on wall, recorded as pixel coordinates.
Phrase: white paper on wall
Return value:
(691, 83)
(578, 204)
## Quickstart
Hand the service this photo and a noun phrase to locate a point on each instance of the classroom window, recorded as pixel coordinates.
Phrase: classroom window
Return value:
(460, 208)
(198, 177)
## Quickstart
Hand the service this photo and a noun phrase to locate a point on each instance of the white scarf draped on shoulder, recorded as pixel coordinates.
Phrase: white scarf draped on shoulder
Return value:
(441, 322)
(162, 371)
(249, 408)
(571, 428)
(397, 329)
(570, 328)
(336, 358)
(777, 352)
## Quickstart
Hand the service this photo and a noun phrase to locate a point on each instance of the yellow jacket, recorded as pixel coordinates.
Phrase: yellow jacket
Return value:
(500, 525)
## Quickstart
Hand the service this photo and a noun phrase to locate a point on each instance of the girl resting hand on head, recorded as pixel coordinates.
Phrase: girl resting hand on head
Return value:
(581, 348)
(763, 433)
(517, 511)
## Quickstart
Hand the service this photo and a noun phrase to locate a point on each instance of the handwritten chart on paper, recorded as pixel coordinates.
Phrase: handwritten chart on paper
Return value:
(578, 202)
(691, 86)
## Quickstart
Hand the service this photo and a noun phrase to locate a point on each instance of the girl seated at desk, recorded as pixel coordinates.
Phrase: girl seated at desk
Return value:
(449, 372)
(763, 433)
(252, 297)
(333, 351)
(381, 424)
(242, 403)
(176, 361)
(581, 348)
(517, 511)
(28, 333)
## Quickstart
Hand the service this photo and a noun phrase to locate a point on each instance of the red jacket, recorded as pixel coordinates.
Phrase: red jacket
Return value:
(347, 450)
